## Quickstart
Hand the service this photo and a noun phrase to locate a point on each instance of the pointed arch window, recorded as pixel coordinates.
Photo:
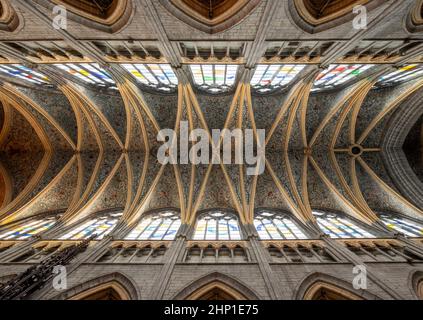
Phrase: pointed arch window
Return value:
(336, 75)
(22, 72)
(101, 225)
(403, 74)
(90, 73)
(27, 229)
(214, 78)
(277, 226)
(405, 226)
(273, 76)
(159, 226)
(337, 226)
(157, 76)
(217, 225)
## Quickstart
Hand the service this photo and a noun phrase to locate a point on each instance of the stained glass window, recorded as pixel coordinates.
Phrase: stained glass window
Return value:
(338, 74)
(158, 76)
(101, 226)
(217, 225)
(27, 230)
(405, 226)
(214, 78)
(159, 226)
(403, 74)
(276, 226)
(336, 226)
(24, 73)
(90, 73)
(269, 77)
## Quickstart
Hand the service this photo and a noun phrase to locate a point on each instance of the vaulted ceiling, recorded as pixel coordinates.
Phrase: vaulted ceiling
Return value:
(83, 151)
(83, 148)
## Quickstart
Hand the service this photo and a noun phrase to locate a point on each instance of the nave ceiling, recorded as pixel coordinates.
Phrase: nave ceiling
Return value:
(80, 149)
(76, 150)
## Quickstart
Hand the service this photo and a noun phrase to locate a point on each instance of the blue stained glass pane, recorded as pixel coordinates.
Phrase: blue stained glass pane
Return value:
(200, 230)
(100, 227)
(171, 233)
(148, 232)
(24, 73)
(211, 232)
(28, 229)
(223, 230)
(161, 226)
(217, 225)
(161, 231)
(234, 229)
(261, 230)
(406, 227)
(277, 227)
(340, 227)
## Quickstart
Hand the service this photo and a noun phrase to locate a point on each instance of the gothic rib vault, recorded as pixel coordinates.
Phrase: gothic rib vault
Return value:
(91, 146)
(73, 150)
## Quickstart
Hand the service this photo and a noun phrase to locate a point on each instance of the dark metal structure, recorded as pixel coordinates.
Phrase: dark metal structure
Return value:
(37, 276)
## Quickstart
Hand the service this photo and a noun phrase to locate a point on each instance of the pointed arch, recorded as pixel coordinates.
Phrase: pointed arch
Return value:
(9, 20)
(218, 286)
(394, 158)
(414, 22)
(420, 290)
(114, 286)
(107, 291)
(314, 16)
(416, 283)
(110, 16)
(320, 286)
(220, 16)
(326, 291)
